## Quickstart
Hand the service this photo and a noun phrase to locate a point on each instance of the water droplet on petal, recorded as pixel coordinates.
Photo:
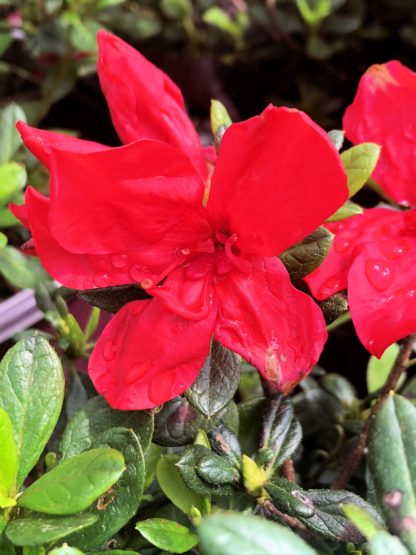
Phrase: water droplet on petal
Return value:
(137, 371)
(371, 343)
(137, 272)
(329, 287)
(411, 293)
(161, 389)
(341, 245)
(393, 249)
(120, 260)
(88, 284)
(102, 264)
(110, 350)
(102, 279)
(379, 274)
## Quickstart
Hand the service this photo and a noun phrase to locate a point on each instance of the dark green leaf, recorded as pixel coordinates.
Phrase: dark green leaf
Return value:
(251, 413)
(10, 139)
(8, 458)
(76, 398)
(38, 530)
(290, 498)
(217, 381)
(167, 535)
(21, 271)
(217, 470)
(334, 307)
(85, 429)
(115, 508)
(329, 519)
(173, 486)
(359, 162)
(231, 534)
(188, 463)
(74, 484)
(225, 443)
(281, 432)
(392, 466)
(177, 423)
(341, 388)
(111, 299)
(301, 259)
(31, 392)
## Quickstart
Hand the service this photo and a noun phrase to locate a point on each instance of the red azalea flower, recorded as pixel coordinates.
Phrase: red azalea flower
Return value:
(373, 254)
(204, 247)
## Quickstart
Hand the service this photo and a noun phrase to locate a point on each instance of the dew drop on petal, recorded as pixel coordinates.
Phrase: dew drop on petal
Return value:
(329, 287)
(379, 274)
(102, 264)
(102, 279)
(136, 273)
(341, 245)
(110, 350)
(411, 293)
(88, 284)
(161, 389)
(137, 371)
(393, 249)
(371, 343)
(120, 260)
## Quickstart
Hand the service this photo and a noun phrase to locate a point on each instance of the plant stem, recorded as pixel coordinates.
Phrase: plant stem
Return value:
(289, 470)
(343, 319)
(354, 457)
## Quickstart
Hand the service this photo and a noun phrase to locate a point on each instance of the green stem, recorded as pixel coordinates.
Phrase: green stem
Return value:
(343, 319)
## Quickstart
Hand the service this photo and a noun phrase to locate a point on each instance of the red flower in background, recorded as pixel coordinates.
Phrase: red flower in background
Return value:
(203, 246)
(374, 254)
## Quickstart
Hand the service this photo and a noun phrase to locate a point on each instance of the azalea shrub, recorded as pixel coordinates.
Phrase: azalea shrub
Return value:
(200, 417)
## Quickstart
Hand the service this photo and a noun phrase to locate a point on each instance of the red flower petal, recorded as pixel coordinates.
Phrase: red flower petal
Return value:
(147, 355)
(125, 199)
(382, 113)
(188, 290)
(276, 327)
(352, 235)
(143, 101)
(78, 271)
(40, 142)
(382, 297)
(277, 178)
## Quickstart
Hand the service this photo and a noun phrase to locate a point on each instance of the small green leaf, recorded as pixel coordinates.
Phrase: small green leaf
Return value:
(173, 486)
(384, 543)
(314, 13)
(251, 414)
(38, 530)
(254, 476)
(301, 259)
(167, 535)
(111, 299)
(362, 520)
(65, 549)
(290, 498)
(116, 507)
(339, 387)
(359, 162)
(220, 19)
(217, 381)
(217, 470)
(92, 323)
(31, 392)
(10, 139)
(74, 484)
(21, 271)
(151, 459)
(378, 369)
(8, 459)
(225, 443)
(176, 9)
(177, 423)
(334, 307)
(12, 180)
(392, 466)
(281, 432)
(348, 210)
(114, 552)
(219, 116)
(3, 240)
(231, 533)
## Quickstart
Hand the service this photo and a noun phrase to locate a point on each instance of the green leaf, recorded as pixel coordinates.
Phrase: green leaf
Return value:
(329, 519)
(151, 458)
(6, 547)
(177, 9)
(220, 19)
(65, 549)
(38, 530)
(359, 163)
(120, 504)
(21, 271)
(3, 240)
(31, 392)
(7, 219)
(378, 369)
(188, 464)
(301, 259)
(8, 459)
(340, 388)
(36, 550)
(334, 307)
(231, 533)
(74, 484)
(315, 13)
(362, 520)
(177, 423)
(217, 381)
(167, 535)
(337, 137)
(281, 433)
(290, 498)
(225, 443)
(219, 116)
(348, 210)
(114, 552)
(384, 543)
(251, 413)
(173, 486)
(111, 299)
(392, 466)
(217, 470)
(10, 139)
(85, 429)
(12, 180)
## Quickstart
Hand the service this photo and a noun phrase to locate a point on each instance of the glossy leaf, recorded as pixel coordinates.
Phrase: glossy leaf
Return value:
(362, 520)
(217, 470)
(217, 381)
(281, 433)
(8, 458)
(74, 484)
(31, 392)
(348, 210)
(177, 423)
(251, 413)
(111, 299)
(116, 507)
(10, 139)
(378, 369)
(12, 180)
(96, 417)
(301, 259)
(392, 466)
(174, 487)
(167, 535)
(231, 533)
(21, 271)
(38, 530)
(290, 498)
(359, 162)
(225, 442)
